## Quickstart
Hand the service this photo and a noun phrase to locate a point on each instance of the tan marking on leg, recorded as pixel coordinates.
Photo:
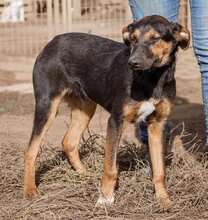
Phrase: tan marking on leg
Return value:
(81, 114)
(155, 133)
(130, 110)
(163, 109)
(30, 189)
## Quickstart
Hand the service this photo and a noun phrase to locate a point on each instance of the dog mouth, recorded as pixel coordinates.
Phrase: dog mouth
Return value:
(143, 65)
(135, 67)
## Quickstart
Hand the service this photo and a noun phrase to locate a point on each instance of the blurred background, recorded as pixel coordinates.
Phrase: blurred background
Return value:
(26, 25)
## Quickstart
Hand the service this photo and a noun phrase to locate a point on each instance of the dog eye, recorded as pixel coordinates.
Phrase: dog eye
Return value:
(154, 40)
(134, 39)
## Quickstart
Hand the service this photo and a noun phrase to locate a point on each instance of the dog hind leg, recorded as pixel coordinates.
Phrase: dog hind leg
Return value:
(45, 113)
(81, 114)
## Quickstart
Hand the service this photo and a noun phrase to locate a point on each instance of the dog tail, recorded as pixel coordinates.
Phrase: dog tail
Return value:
(77, 87)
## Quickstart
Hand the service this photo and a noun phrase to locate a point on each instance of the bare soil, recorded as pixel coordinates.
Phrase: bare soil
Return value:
(66, 195)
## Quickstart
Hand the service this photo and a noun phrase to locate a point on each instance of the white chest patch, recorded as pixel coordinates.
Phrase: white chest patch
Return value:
(146, 109)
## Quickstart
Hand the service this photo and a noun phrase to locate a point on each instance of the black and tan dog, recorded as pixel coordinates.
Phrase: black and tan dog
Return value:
(133, 81)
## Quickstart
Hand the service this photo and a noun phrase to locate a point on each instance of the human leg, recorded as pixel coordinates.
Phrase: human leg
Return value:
(165, 8)
(199, 18)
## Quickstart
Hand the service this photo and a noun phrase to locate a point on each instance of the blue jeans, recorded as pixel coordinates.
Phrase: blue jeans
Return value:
(199, 22)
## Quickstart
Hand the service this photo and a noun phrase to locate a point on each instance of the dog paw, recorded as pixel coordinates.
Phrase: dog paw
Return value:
(30, 193)
(105, 201)
(164, 202)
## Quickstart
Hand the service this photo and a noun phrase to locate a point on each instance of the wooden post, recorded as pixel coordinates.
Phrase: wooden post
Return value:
(64, 14)
(56, 15)
(183, 13)
(77, 8)
(49, 19)
(69, 13)
(128, 16)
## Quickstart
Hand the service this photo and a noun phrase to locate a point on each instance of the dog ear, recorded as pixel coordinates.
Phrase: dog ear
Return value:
(126, 35)
(182, 35)
(184, 40)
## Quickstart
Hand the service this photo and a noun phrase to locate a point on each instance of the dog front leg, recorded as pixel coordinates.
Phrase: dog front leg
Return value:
(109, 178)
(156, 148)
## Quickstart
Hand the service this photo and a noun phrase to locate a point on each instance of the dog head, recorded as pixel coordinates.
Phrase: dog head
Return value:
(153, 41)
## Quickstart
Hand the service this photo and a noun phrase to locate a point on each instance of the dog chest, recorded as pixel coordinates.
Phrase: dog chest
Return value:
(146, 109)
(139, 111)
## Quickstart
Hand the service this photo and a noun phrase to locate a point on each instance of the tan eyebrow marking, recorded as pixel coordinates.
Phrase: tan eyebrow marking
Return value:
(137, 34)
(151, 33)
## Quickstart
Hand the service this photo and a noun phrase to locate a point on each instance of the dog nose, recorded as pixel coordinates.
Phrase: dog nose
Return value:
(134, 63)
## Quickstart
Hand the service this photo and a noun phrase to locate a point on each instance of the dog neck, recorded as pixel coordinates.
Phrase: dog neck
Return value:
(150, 83)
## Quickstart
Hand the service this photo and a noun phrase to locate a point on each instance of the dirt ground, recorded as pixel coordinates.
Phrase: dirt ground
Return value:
(64, 194)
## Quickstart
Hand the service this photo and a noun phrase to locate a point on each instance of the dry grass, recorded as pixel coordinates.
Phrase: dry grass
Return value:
(66, 195)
